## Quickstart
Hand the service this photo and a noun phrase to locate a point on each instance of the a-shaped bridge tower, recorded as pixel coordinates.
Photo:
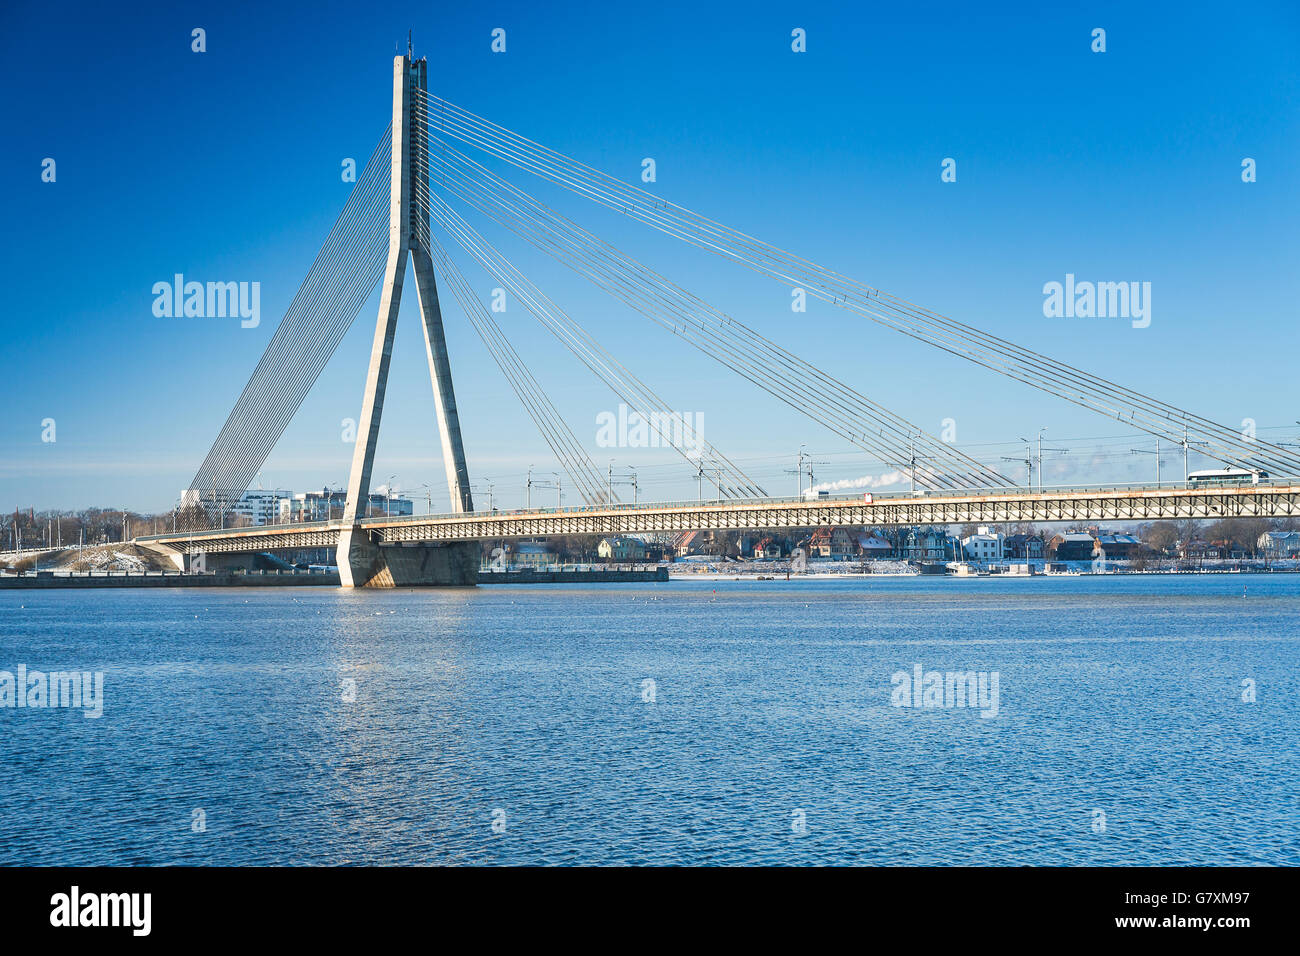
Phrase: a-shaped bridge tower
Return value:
(364, 561)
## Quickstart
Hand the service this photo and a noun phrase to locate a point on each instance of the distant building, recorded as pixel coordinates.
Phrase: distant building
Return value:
(326, 505)
(1071, 546)
(1116, 547)
(1196, 549)
(873, 546)
(621, 548)
(835, 544)
(1025, 547)
(985, 546)
(688, 543)
(532, 554)
(767, 549)
(258, 506)
(926, 544)
(1093, 544)
(1280, 544)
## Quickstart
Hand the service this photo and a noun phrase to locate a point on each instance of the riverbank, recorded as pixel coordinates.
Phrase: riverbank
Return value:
(52, 580)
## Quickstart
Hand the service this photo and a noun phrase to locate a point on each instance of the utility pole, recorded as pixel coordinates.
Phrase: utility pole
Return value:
(911, 454)
(629, 480)
(1041, 449)
(1147, 451)
(1029, 464)
(1186, 446)
(528, 490)
(609, 493)
(699, 479)
(1040, 457)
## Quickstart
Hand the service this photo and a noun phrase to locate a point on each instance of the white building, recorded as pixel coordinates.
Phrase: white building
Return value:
(1280, 544)
(985, 547)
(271, 506)
(621, 548)
(327, 504)
(258, 505)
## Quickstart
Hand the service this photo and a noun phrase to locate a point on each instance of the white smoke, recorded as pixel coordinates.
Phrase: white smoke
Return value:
(866, 481)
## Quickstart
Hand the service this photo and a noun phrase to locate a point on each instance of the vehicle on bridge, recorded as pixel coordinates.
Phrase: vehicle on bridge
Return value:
(1215, 477)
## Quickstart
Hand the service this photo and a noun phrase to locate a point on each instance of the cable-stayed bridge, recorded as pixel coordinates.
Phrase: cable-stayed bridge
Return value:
(423, 163)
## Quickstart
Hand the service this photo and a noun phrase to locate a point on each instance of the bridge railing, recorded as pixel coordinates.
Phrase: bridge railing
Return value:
(853, 497)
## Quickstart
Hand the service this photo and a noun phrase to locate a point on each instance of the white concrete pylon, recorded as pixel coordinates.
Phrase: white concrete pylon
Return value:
(406, 222)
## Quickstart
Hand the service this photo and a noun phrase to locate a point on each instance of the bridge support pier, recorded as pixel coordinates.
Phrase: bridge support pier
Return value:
(364, 563)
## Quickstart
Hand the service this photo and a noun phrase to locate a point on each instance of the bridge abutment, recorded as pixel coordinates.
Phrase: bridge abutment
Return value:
(364, 563)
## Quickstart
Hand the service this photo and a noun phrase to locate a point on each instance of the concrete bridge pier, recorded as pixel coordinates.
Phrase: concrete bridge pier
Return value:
(365, 563)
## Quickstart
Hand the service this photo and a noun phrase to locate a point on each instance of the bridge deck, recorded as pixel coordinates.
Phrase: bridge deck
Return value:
(1057, 505)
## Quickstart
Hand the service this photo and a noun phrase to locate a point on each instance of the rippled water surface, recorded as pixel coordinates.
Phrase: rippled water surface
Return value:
(525, 706)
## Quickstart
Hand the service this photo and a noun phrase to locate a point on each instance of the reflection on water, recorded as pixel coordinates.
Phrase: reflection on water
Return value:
(322, 726)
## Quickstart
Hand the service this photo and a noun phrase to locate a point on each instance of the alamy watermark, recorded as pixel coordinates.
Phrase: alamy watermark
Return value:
(946, 689)
(1100, 300)
(127, 910)
(212, 300)
(38, 689)
(628, 428)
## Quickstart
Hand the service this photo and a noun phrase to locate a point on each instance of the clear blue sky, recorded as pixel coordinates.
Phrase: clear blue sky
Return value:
(225, 166)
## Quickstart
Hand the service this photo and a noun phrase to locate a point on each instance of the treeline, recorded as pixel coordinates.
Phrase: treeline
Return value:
(30, 528)
(1232, 534)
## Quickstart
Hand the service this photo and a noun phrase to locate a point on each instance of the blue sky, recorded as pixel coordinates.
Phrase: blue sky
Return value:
(224, 165)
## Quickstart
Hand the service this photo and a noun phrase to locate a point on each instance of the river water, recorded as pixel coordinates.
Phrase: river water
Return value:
(680, 722)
